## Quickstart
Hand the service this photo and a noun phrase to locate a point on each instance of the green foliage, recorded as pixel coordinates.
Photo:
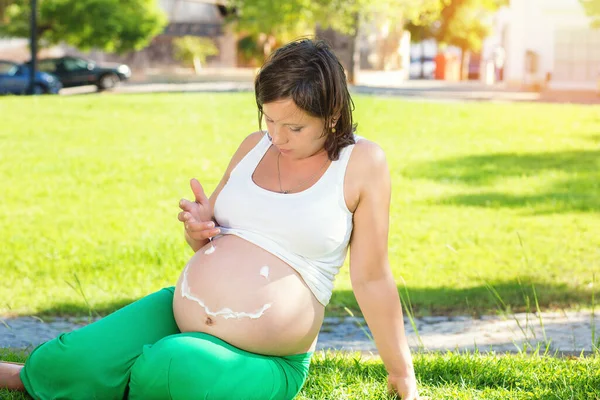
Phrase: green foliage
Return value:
(465, 26)
(284, 20)
(266, 24)
(419, 31)
(290, 19)
(111, 25)
(194, 50)
(400, 11)
(3, 7)
(250, 52)
(460, 23)
(592, 8)
(263, 25)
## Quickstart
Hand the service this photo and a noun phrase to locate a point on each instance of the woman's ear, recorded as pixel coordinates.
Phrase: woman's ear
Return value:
(334, 120)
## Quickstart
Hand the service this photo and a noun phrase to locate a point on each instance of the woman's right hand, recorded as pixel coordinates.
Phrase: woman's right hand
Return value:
(197, 215)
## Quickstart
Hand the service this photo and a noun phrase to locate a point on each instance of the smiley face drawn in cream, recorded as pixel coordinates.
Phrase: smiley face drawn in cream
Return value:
(226, 313)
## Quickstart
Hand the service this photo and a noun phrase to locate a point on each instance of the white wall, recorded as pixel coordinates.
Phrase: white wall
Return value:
(528, 29)
(533, 25)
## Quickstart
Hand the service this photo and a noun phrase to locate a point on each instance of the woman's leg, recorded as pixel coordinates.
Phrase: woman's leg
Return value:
(196, 365)
(94, 362)
(9, 376)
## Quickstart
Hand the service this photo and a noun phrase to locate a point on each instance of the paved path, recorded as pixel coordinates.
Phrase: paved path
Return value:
(415, 90)
(565, 332)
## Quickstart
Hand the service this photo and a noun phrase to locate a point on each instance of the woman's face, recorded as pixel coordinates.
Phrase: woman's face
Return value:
(295, 133)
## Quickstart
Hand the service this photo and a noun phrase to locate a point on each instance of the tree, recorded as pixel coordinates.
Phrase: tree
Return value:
(389, 14)
(3, 6)
(111, 25)
(250, 51)
(464, 25)
(194, 50)
(273, 22)
(460, 23)
(592, 8)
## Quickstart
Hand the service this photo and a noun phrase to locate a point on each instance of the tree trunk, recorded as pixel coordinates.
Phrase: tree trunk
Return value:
(197, 65)
(354, 62)
(463, 56)
(33, 46)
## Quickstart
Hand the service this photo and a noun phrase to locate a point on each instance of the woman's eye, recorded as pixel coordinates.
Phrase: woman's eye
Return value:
(295, 129)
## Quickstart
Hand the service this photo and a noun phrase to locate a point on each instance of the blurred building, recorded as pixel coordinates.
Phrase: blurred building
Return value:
(544, 43)
(205, 18)
(202, 18)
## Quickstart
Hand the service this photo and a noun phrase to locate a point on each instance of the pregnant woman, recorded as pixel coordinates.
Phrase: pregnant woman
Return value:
(243, 320)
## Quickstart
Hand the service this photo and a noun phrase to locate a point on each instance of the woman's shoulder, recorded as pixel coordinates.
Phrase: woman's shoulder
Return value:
(252, 140)
(367, 153)
(248, 144)
(367, 167)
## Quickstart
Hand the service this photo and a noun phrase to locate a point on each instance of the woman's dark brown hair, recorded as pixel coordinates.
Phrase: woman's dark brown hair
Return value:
(308, 72)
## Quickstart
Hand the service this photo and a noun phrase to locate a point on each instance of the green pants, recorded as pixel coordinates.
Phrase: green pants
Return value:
(139, 353)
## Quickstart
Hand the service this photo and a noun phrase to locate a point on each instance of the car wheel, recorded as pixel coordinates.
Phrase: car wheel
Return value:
(108, 81)
(39, 89)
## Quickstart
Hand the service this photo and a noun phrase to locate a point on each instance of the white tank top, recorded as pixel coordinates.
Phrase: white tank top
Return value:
(309, 230)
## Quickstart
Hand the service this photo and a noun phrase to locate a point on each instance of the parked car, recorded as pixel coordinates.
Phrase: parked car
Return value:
(15, 79)
(77, 71)
(422, 68)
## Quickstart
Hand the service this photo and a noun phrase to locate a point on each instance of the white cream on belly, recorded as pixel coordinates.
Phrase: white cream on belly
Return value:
(211, 249)
(264, 271)
(226, 313)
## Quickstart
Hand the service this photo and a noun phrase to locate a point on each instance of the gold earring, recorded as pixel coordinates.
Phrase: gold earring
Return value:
(332, 130)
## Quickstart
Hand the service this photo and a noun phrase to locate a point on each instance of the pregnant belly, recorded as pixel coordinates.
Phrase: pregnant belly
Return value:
(247, 297)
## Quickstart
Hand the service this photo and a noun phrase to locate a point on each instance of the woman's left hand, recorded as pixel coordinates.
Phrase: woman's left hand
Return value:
(404, 386)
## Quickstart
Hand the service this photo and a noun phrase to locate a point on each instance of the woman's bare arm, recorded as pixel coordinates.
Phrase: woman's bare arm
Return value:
(372, 281)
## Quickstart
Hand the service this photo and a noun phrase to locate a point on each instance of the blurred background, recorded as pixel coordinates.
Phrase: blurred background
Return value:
(513, 44)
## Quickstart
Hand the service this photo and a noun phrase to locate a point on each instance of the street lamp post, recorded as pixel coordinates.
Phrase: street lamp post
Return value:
(33, 46)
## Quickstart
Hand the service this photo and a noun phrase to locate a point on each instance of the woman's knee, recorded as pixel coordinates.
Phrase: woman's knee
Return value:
(196, 365)
(59, 370)
(178, 367)
(58, 356)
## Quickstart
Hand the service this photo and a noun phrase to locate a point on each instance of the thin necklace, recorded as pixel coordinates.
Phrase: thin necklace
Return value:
(301, 183)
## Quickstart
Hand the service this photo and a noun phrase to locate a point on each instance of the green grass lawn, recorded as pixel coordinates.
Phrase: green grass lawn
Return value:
(449, 376)
(489, 201)
(486, 198)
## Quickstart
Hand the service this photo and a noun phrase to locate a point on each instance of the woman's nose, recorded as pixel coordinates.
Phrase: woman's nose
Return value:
(277, 138)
